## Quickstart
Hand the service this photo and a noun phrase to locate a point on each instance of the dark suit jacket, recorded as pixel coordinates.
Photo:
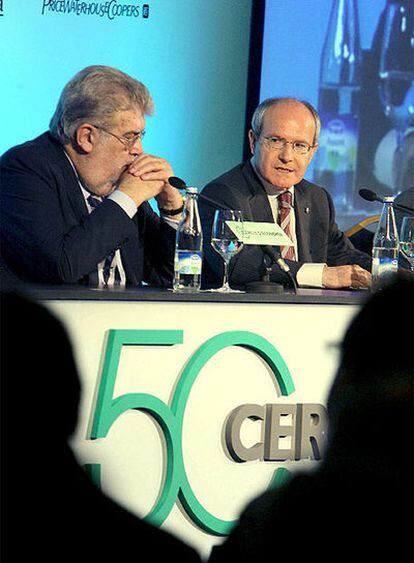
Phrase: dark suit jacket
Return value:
(47, 234)
(318, 236)
(50, 509)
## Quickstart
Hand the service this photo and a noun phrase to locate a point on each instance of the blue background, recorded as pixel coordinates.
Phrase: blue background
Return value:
(294, 33)
(192, 55)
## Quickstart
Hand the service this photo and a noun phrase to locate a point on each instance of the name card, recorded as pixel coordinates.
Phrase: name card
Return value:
(251, 232)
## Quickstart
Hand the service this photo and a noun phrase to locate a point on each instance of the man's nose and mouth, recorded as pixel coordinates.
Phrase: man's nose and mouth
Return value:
(284, 162)
(283, 165)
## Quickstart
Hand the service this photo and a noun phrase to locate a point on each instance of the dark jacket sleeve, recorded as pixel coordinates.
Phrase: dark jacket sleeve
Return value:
(159, 247)
(341, 251)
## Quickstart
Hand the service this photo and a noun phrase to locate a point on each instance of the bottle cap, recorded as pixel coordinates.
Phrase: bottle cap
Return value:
(388, 199)
(191, 190)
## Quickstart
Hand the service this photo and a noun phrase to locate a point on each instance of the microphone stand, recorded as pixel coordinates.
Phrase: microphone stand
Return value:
(401, 207)
(264, 285)
(271, 256)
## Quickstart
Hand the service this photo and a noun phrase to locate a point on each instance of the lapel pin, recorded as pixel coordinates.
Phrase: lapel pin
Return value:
(307, 210)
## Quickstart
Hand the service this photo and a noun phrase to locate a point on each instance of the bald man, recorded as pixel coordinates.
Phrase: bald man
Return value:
(270, 187)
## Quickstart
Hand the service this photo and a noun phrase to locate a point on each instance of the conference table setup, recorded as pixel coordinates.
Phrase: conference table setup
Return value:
(185, 205)
(194, 402)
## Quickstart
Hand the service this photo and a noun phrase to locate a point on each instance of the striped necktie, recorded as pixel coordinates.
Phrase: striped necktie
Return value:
(284, 216)
(110, 260)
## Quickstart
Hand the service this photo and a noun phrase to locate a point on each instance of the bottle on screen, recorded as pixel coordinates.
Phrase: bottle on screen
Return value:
(396, 83)
(338, 105)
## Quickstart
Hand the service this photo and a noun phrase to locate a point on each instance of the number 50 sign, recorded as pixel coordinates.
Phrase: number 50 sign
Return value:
(170, 417)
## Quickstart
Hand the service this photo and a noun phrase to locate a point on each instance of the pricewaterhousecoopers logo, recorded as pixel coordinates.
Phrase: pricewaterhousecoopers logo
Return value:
(110, 9)
(306, 433)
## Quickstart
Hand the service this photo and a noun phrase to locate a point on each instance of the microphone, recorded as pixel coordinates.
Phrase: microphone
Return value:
(179, 184)
(370, 195)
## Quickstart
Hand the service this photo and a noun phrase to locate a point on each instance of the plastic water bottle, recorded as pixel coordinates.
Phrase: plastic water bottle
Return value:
(338, 105)
(385, 246)
(189, 246)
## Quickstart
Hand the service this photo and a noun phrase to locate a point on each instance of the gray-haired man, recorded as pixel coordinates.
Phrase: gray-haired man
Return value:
(74, 201)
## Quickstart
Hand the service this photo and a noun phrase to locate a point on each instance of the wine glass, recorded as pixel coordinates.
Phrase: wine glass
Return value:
(396, 74)
(407, 240)
(227, 242)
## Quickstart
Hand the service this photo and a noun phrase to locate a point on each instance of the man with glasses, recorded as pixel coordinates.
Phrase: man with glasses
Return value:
(74, 201)
(270, 188)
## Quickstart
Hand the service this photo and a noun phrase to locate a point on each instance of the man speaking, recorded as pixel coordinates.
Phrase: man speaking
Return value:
(270, 188)
(74, 201)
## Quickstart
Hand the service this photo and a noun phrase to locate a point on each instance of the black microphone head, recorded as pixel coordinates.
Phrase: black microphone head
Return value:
(177, 183)
(368, 195)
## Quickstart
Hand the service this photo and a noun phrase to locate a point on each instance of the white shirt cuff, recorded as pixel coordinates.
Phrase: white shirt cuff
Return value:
(125, 202)
(310, 275)
(170, 221)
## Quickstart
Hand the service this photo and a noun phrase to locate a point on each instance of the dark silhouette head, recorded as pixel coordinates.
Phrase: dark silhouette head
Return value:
(50, 510)
(370, 405)
(40, 387)
(357, 505)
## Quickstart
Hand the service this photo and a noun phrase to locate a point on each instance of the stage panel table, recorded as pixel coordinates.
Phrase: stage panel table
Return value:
(162, 372)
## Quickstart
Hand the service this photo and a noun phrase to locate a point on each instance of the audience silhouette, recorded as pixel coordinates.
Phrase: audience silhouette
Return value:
(51, 511)
(358, 505)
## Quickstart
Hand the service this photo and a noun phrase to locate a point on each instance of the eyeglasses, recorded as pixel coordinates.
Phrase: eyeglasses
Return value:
(128, 142)
(277, 143)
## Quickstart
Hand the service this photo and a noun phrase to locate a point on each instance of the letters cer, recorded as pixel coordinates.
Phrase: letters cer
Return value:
(289, 432)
